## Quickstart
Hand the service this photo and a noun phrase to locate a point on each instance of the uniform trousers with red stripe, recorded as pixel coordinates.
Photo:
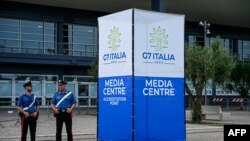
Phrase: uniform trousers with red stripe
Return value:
(67, 118)
(31, 123)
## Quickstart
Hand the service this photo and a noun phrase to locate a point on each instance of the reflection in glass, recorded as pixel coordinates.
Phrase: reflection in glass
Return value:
(5, 102)
(32, 77)
(35, 24)
(240, 50)
(6, 76)
(191, 40)
(32, 44)
(50, 89)
(227, 46)
(69, 78)
(33, 30)
(9, 43)
(4, 21)
(49, 38)
(27, 37)
(83, 90)
(49, 25)
(31, 37)
(246, 50)
(93, 89)
(19, 89)
(93, 101)
(21, 77)
(8, 28)
(83, 101)
(36, 89)
(83, 79)
(83, 39)
(7, 35)
(5, 89)
(50, 78)
(70, 87)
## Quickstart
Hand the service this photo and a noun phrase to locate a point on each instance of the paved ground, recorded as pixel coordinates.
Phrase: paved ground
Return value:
(84, 127)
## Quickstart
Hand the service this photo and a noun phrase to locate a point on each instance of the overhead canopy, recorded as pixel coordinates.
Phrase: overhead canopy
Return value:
(222, 12)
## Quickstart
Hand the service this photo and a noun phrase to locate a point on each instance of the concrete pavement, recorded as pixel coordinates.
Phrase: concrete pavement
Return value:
(85, 127)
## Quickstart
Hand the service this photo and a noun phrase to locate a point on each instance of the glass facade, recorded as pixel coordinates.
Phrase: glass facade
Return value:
(40, 37)
(82, 40)
(228, 44)
(24, 36)
(243, 51)
(9, 35)
(5, 89)
(86, 91)
(44, 86)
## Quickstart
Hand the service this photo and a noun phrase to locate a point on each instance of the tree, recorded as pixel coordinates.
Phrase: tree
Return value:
(93, 71)
(197, 60)
(240, 80)
(202, 64)
(223, 63)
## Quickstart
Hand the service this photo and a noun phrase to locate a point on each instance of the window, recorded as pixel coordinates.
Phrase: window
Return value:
(9, 35)
(93, 89)
(69, 78)
(70, 87)
(243, 50)
(83, 79)
(5, 102)
(49, 38)
(25, 36)
(246, 50)
(93, 94)
(83, 90)
(6, 76)
(82, 40)
(36, 88)
(50, 78)
(50, 89)
(83, 101)
(227, 46)
(5, 89)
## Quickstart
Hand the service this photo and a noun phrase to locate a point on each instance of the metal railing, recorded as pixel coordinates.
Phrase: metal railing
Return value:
(48, 48)
(8, 113)
(225, 103)
(242, 57)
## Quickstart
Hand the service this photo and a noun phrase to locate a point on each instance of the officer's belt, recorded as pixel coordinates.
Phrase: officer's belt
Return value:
(63, 111)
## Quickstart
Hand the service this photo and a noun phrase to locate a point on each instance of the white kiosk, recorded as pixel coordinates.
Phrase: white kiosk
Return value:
(141, 77)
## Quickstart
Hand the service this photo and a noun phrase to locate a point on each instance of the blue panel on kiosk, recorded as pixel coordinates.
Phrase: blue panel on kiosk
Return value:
(159, 109)
(115, 108)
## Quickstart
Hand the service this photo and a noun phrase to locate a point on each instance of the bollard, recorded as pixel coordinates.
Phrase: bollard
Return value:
(248, 104)
(227, 107)
(48, 107)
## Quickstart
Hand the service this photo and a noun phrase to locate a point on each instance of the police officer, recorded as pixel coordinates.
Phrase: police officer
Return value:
(63, 103)
(28, 107)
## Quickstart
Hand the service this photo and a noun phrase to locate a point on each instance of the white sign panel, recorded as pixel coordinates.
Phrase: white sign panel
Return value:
(158, 44)
(115, 44)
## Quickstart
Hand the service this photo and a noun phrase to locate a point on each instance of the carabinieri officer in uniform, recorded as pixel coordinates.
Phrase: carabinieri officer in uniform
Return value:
(28, 107)
(63, 103)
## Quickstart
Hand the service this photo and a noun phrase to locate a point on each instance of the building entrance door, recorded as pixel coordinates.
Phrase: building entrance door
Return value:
(83, 94)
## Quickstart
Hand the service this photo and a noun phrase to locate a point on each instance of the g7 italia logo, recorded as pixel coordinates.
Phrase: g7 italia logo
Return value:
(114, 56)
(158, 39)
(114, 38)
